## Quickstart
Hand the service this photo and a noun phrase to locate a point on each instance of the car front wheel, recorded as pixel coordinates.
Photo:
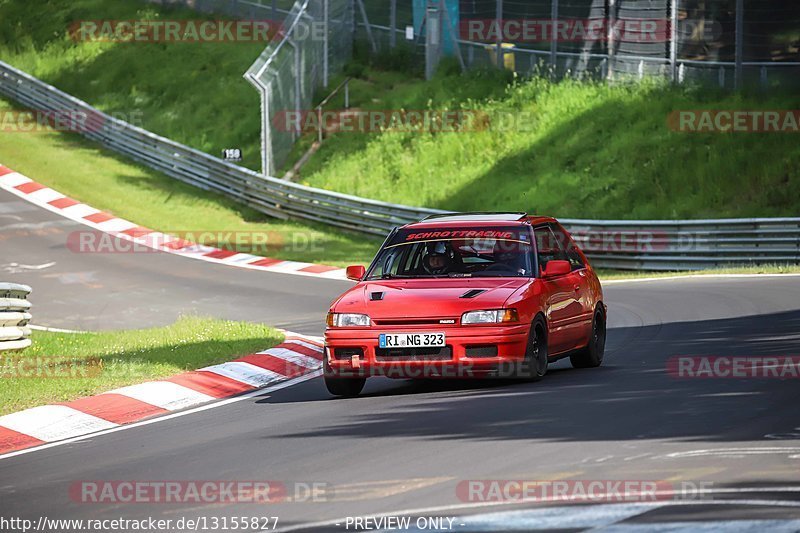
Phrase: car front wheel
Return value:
(534, 367)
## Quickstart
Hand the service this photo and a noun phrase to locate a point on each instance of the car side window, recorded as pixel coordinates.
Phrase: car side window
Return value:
(548, 247)
(571, 249)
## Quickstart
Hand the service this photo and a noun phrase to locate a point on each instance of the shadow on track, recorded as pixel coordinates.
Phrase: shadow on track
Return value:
(630, 397)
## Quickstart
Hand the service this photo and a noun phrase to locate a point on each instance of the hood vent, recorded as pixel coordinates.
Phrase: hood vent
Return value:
(376, 296)
(472, 293)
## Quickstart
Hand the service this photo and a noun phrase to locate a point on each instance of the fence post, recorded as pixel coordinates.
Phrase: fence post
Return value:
(274, 10)
(553, 35)
(433, 39)
(739, 43)
(673, 45)
(266, 132)
(325, 43)
(450, 31)
(298, 82)
(501, 60)
(367, 27)
(612, 21)
(393, 24)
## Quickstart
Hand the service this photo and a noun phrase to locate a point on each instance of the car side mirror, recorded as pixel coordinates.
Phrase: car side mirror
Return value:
(355, 272)
(556, 268)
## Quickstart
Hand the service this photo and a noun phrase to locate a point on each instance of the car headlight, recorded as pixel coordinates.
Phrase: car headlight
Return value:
(494, 316)
(345, 320)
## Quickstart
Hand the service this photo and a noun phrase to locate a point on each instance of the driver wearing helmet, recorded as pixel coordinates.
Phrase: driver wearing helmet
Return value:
(438, 259)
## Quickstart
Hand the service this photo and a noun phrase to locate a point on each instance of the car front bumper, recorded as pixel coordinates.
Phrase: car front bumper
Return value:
(480, 350)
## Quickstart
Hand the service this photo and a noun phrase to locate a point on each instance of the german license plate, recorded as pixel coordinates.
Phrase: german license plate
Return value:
(411, 340)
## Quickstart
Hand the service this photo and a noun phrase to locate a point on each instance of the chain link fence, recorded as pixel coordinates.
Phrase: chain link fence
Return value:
(729, 43)
(316, 41)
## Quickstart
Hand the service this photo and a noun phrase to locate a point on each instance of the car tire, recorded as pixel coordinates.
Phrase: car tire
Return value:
(345, 387)
(534, 367)
(592, 355)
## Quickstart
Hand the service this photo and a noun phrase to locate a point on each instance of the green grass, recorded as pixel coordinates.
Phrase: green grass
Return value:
(577, 150)
(611, 275)
(192, 93)
(92, 363)
(82, 170)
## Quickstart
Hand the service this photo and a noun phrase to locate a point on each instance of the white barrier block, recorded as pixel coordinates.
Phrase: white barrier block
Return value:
(21, 344)
(14, 304)
(13, 333)
(13, 318)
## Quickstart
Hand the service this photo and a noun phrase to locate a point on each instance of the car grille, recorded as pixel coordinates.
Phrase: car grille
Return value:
(489, 350)
(414, 354)
(416, 321)
(348, 353)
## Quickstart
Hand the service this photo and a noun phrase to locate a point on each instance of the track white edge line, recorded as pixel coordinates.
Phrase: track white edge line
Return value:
(699, 276)
(463, 506)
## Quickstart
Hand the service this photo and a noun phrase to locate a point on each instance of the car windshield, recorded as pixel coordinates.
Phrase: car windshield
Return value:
(455, 252)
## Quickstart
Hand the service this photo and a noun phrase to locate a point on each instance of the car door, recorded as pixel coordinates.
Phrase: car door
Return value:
(584, 296)
(563, 309)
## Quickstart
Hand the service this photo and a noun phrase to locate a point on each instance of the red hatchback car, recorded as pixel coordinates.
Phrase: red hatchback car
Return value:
(470, 294)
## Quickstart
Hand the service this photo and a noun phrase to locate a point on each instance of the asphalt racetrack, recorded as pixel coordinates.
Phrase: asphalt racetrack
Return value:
(409, 448)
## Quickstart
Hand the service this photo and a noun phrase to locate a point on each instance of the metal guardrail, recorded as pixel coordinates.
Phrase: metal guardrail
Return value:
(638, 245)
(687, 244)
(269, 195)
(14, 317)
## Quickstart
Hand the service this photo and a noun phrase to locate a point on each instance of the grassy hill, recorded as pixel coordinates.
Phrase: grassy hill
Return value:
(192, 93)
(575, 150)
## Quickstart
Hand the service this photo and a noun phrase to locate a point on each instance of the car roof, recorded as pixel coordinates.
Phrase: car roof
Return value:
(477, 219)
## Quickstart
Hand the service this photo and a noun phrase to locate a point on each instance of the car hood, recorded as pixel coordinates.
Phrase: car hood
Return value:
(420, 298)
